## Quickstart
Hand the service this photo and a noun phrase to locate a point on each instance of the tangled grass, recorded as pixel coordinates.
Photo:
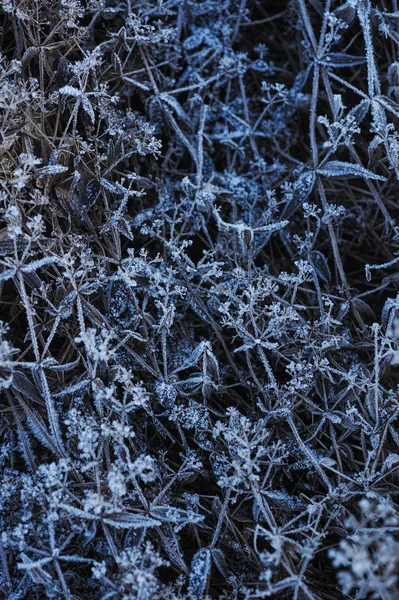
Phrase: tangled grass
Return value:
(199, 299)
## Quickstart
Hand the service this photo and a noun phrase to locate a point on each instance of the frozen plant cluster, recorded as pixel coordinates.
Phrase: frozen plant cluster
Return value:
(199, 299)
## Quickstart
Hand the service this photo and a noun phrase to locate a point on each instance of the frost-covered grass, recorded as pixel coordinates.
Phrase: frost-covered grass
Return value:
(199, 339)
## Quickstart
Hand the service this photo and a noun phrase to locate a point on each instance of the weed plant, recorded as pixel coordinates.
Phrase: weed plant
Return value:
(199, 340)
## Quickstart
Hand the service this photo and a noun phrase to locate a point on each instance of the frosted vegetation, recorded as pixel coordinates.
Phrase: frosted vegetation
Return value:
(199, 339)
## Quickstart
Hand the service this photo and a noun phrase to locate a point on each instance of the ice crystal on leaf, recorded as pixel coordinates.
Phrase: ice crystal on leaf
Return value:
(199, 336)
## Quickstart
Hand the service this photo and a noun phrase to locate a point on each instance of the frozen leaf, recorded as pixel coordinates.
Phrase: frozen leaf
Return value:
(199, 573)
(175, 105)
(359, 112)
(87, 107)
(220, 562)
(340, 60)
(125, 520)
(68, 90)
(22, 384)
(50, 171)
(321, 265)
(364, 308)
(328, 462)
(391, 460)
(337, 168)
